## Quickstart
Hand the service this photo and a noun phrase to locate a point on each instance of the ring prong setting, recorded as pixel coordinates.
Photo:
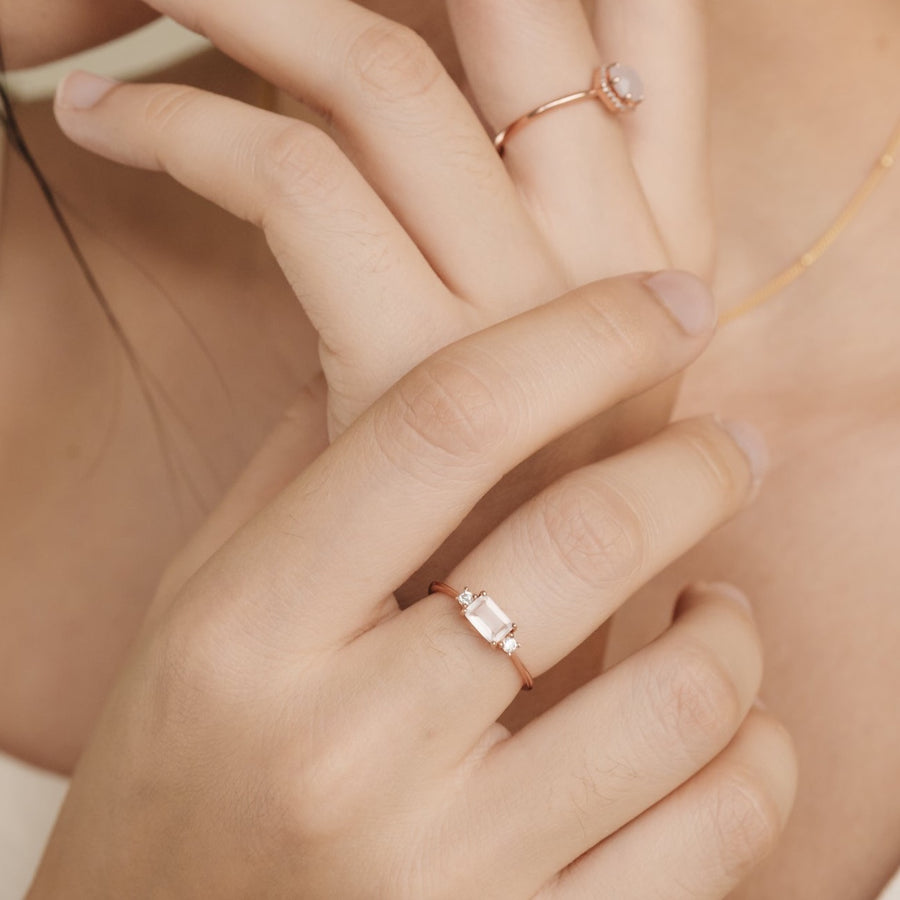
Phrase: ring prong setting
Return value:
(490, 621)
(618, 87)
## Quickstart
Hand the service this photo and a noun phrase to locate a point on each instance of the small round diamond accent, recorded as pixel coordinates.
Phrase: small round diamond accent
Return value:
(509, 644)
(465, 598)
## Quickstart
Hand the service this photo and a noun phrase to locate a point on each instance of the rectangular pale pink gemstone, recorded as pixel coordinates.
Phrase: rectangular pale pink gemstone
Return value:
(489, 620)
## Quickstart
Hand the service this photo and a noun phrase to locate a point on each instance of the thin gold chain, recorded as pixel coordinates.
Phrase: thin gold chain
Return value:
(816, 250)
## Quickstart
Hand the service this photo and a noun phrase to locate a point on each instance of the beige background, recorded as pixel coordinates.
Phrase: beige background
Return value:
(153, 47)
(29, 803)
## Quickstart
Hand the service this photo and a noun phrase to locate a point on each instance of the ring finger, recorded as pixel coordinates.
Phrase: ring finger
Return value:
(564, 562)
(572, 166)
(666, 41)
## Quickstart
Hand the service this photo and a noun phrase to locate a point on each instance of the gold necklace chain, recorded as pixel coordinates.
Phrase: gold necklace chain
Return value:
(816, 250)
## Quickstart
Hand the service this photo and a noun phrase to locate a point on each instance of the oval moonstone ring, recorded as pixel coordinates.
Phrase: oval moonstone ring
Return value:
(619, 87)
(616, 86)
(486, 617)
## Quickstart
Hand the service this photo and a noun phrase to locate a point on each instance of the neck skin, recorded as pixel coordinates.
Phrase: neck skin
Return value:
(804, 101)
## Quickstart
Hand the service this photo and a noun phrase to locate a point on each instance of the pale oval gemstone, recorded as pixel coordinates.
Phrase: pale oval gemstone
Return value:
(626, 83)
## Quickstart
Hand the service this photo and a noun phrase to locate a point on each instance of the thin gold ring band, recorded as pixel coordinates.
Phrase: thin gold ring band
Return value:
(486, 617)
(604, 87)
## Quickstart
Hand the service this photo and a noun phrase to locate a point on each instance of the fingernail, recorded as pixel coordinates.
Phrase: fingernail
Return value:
(752, 443)
(725, 589)
(82, 90)
(720, 588)
(686, 298)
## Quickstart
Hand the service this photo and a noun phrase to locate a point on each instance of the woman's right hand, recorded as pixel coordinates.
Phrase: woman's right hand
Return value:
(285, 730)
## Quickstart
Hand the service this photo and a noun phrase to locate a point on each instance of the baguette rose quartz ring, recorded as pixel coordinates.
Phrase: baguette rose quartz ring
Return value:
(486, 617)
(617, 87)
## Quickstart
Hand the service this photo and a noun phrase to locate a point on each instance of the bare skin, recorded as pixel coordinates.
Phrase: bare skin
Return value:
(817, 370)
(44, 30)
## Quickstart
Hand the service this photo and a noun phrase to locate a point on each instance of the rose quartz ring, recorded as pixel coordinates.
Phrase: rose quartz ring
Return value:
(486, 617)
(616, 86)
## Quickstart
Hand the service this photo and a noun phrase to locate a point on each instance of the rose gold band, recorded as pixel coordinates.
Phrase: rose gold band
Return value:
(490, 622)
(602, 88)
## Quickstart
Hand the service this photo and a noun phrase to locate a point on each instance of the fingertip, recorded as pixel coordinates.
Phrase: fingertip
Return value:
(753, 444)
(686, 298)
(776, 754)
(80, 91)
(696, 593)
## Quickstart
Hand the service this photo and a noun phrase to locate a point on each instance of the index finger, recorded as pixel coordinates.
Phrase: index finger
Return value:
(317, 565)
(411, 132)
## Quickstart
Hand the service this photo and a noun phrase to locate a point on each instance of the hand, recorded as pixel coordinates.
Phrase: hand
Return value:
(426, 237)
(286, 730)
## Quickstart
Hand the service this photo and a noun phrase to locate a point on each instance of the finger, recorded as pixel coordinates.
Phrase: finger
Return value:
(666, 42)
(612, 749)
(701, 841)
(362, 279)
(571, 165)
(316, 565)
(565, 561)
(407, 127)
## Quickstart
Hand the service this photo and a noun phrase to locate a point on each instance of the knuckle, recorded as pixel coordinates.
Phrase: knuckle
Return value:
(186, 698)
(301, 165)
(169, 103)
(599, 782)
(593, 529)
(197, 668)
(719, 461)
(318, 772)
(314, 775)
(180, 666)
(745, 820)
(313, 800)
(465, 155)
(392, 62)
(696, 701)
(612, 326)
(446, 417)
